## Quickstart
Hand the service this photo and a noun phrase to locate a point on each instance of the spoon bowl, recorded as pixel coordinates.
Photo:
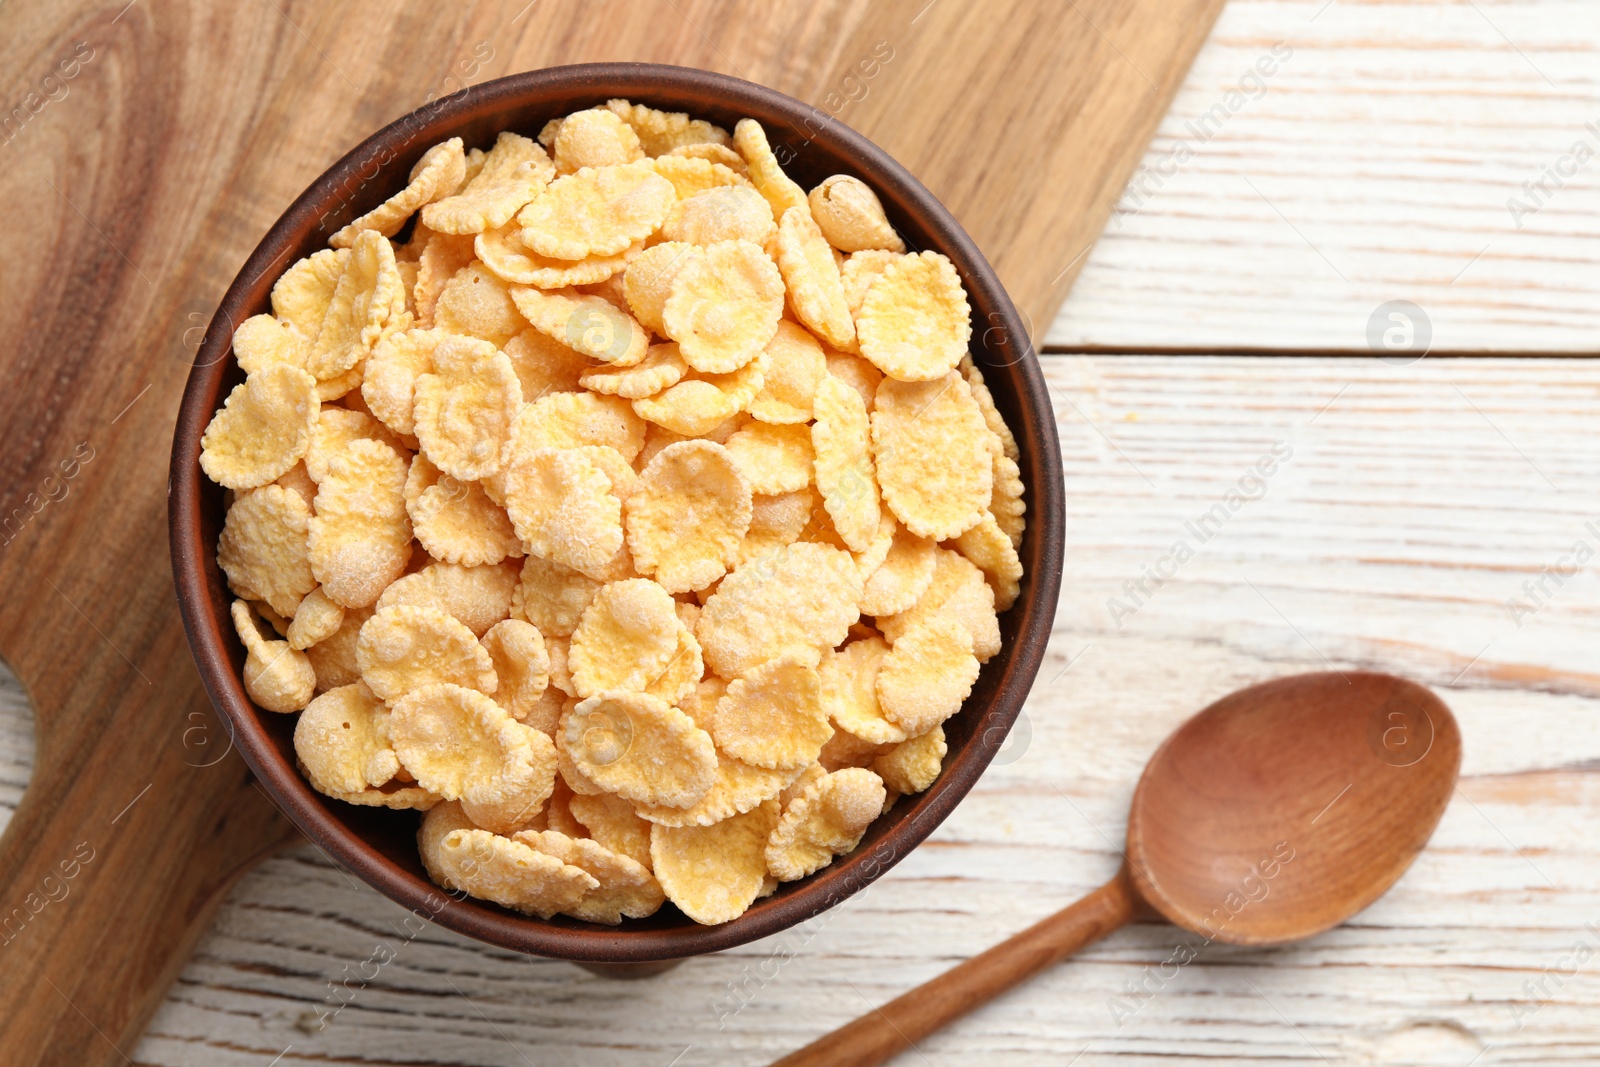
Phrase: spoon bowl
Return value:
(1274, 814)
(1283, 809)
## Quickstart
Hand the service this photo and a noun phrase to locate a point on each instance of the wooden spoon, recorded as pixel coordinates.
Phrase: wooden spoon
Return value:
(1274, 814)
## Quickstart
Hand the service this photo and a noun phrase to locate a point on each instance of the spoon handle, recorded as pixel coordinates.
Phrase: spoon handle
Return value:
(901, 1023)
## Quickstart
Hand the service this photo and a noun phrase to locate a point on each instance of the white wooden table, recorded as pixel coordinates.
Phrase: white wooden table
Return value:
(1375, 165)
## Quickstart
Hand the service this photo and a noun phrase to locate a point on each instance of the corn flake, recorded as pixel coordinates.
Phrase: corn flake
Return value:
(594, 138)
(545, 365)
(988, 546)
(455, 521)
(775, 459)
(662, 368)
(714, 873)
(849, 691)
(507, 817)
(627, 636)
(739, 787)
(691, 176)
(768, 177)
(300, 297)
(796, 367)
(1006, 503)
(459, 744)
(626, 887)
(851, 217)
(692, 509)
(858, 374)
(336, 428)
(507, 872)
(927, 675)
(389, 376)
(579, 420)
(590, 325)
(466, 408)
(612, 823)
(597, 211)
(775, 521)
(724, 306)
(261, 340)
(845, 749)
(640, 748)
(725, 213)
(562, 506)
(959, 591)
(704, 405)
(796, 601)
(816, 292)
(660, 132)
(859, 271)
(991, 414)
(405, 648)
(443, 257)
(277, 677)
(647, 282)
(476, 303)
(903, 576)
(396, 796)
(912, 766)
(503, 252)
(558, 810)
(915, 322)
(360, 537)
(574, 779)
(476, 597)
(342, 741)
(681, 676)
(714, 153)
(932, 453)
(435, 176)
(513, 172)
(262, 548)
(263, 429)
(773, 717)
(554, 596)
(368, 293)
(827, 820)
(841, 440)
(315, 620)
(333, 659)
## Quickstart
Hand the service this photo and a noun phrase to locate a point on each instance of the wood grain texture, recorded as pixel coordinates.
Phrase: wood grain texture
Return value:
(1375, 164)
(152, 143)
(1390, 541)
(886, 1030)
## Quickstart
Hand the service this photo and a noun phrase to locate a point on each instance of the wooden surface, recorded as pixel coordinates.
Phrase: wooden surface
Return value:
(155, 143)
(1417, 505)
(1377, 164)
(886, 1030)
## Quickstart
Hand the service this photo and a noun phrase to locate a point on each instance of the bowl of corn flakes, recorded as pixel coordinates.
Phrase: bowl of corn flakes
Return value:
(617, 511)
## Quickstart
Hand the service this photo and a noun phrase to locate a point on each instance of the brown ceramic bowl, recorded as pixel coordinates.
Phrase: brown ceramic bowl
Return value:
(380, 845)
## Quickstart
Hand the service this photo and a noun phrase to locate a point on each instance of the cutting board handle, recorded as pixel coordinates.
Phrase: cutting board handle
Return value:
(99, 907)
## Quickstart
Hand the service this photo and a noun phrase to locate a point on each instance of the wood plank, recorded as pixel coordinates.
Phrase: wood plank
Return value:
(155, 143)
(1390, 142)
(1391, 539)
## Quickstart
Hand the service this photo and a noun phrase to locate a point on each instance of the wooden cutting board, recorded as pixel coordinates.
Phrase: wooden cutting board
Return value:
(147, 147)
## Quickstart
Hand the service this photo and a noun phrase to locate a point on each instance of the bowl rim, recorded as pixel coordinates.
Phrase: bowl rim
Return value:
(209, 633)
